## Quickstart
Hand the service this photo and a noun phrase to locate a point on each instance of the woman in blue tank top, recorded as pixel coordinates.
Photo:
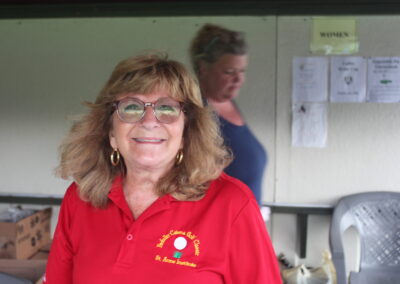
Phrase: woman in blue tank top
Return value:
(219, 58)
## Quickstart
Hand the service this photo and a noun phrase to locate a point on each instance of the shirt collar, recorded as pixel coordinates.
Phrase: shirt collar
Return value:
(116, 195)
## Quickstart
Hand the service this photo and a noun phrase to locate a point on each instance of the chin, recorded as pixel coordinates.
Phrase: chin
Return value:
(225, 97)
(230, 97)
(155, 164)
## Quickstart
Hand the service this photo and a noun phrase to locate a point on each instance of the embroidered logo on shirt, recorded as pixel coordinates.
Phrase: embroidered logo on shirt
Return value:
(178, 247)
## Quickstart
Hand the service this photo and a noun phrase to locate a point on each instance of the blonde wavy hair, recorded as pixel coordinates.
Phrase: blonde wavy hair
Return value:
(213, 41)
(85, 152)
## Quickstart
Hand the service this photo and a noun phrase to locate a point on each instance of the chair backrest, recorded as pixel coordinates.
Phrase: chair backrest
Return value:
(376, 217)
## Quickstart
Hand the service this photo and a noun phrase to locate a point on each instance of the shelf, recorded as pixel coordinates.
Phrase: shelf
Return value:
(302, 211)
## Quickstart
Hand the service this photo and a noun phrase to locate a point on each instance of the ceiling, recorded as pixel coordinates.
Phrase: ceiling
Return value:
(121, 8)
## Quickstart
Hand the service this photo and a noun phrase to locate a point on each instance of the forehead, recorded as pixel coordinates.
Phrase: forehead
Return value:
(147, 97)
(231, 61)
(175, 85)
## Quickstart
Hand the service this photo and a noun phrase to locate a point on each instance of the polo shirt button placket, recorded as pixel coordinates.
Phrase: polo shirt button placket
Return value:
(127, 251)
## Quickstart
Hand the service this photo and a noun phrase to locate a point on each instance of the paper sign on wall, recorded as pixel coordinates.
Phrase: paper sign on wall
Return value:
(309, 125)
(334, 36)
(384, 79)
(310, 79)
(348, 79)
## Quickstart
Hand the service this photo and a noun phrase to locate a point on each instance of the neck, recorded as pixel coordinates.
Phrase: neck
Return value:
(228, 110)
(140, 191)
(214, 102)
(221, 107)
(142, 180)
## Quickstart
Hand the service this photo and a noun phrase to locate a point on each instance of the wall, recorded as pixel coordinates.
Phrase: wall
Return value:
(49, 66)
(362, 151)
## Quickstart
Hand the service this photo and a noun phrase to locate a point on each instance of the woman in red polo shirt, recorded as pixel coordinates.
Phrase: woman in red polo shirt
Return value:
(149, 202)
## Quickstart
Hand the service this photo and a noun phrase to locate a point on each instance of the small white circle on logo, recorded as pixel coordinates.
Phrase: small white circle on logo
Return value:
(180, 243)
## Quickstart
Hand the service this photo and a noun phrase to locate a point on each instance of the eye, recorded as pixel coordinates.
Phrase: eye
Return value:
(131, 108)
(229, 71)
(167, 108)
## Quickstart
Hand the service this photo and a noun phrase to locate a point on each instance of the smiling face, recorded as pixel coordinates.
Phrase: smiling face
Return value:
(222, 80)
(147, 144)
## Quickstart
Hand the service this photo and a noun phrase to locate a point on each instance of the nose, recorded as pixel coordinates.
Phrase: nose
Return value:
(149, 119)
(239, 77)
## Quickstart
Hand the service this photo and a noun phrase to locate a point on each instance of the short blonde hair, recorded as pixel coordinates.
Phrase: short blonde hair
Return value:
(85, 152)
(212, 41)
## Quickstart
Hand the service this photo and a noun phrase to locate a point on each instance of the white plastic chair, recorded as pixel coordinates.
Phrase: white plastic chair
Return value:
(376, 217)
(10, 279)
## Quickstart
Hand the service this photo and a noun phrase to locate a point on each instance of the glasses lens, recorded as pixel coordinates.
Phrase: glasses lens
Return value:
(167, 110)
(130, 110)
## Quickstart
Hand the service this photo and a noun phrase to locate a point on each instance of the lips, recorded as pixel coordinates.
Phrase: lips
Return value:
(235, 87)
(148, 140)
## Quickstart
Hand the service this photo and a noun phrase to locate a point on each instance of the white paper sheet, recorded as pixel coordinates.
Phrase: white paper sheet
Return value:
(309, 125)
(383, 79)
(310, 79)
(348, 79)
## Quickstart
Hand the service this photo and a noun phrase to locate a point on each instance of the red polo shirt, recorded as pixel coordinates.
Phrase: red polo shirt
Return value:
(220, 239)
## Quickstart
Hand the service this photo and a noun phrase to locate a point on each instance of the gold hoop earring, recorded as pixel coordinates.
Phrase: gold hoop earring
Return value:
(179, 158)
(114, 157)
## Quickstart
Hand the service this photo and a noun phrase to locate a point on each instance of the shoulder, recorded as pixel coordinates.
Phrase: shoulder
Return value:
(72, 192)
(71, 197)
(231, 190)
(231, 200)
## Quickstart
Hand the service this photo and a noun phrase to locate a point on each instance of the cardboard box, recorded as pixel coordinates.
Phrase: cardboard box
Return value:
(31, 269)
(22, 239)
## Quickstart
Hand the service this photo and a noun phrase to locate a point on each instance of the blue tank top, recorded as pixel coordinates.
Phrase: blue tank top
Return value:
(249, 156)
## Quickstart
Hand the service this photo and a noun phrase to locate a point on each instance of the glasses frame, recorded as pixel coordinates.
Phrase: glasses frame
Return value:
(145, 106)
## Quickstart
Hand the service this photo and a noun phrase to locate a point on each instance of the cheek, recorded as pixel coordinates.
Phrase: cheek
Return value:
(181, 141)
(224, 81)
(113, 142)
(118, 131)
(111, 135)
(178, 133)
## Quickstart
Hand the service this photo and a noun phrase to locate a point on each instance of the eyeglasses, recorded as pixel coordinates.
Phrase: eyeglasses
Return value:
(131, 110)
